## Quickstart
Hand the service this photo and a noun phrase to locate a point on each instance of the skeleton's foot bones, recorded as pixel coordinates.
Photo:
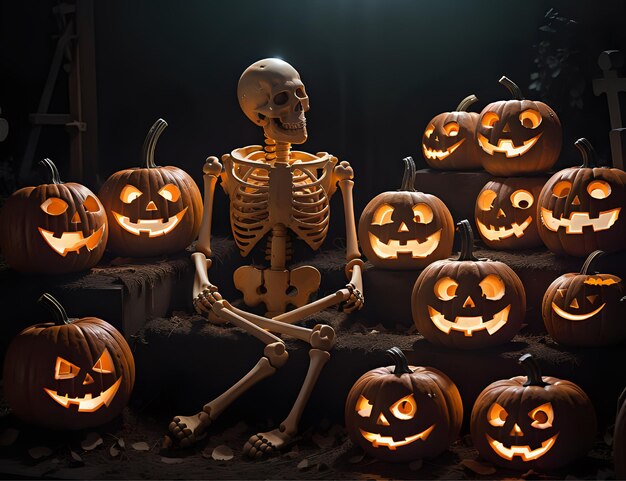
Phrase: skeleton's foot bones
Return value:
(262, 445)
(188, 430)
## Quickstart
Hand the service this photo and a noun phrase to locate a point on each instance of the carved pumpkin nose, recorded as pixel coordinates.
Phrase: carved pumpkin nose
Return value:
(151, 206)
(576, 201)
(436, 138)
(506, 128)
(500, 214)
(469, 302)
(76, 218)
(403, 227)
(382, 420)
(88, 380)
(516, 431)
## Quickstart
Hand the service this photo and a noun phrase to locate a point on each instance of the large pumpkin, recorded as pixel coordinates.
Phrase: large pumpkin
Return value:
(579, 207)
(506, 212)
(405, 229)
(402, 413)
(585, 309)
(448, 141)
(468, 303)
(53, 228)
(518, 136)
(70, 374)
(152, 210)
(619, 438)
(532, 422)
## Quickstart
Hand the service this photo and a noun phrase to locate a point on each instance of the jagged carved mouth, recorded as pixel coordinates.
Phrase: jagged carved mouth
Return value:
(72, 241)
(154, 227)
(440, 154)
(576, 317)
(467, 324)
(578, 220)
(388, 441)
(505, 146)
(524, 452)
(88, 403)
(392, 248)
(498, 233)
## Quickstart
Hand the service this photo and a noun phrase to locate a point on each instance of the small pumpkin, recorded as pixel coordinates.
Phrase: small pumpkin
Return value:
(506, 212)
(448, 140)
(518, 136)
(579, 207)
(619, 438)
(53, 228)
(405, 229)
(152, 210)
(70, 374)
(585, 309)
(402, 413)
(468, 303)
(533, 421)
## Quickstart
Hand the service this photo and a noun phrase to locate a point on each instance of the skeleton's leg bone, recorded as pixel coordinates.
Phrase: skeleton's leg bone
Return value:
(221, 309)
(201, 277)
(315, 306)
(212, 169)
(354, 269)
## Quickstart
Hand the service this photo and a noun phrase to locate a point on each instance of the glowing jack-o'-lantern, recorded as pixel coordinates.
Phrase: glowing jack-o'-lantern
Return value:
(405, 229)
(518, 136)
(152, 210)
(506, 212)
(579, 207)
(69, 374)
(585, 309)
(468, 303)
(402, 413)
(53, 228)
(448, 141)
(532, 422)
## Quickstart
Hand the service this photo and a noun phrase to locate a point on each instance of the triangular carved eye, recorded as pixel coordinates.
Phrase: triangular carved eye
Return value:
(129, 193)
(65, 369)
(364, 407)
(561, 292)
(170, 192)
(104, 365)
(592, 298)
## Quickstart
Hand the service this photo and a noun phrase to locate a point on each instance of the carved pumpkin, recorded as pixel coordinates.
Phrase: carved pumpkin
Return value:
(405, 229)
(70, 374)
(579, 207)
(506, 212)
(468, 303)
(448, 141)
(518, 136)
(53, 228)
(585, 309)
(402, 413)
(619, 438)
(532, 422)
(152, 210)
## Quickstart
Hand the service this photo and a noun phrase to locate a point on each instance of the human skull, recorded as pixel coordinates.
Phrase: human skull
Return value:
(272, 95)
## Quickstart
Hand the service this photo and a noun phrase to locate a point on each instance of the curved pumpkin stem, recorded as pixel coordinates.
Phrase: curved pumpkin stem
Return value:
(592, 257)
(467, 241)
(587, 151)
(55, 308)
(149, 145)
(466, 103)
(53, 172)
(400, 361)
(408, 180)
(533, 372)
(512, 87)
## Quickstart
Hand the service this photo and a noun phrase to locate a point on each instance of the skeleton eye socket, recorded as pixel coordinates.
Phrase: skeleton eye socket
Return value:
(522, 199)
(492, 287)
(129, 193)
(91, 204)
(489, 119)
(300, 93)
(542, 416)
(170, 192)
(497, 415)
(104, 365)
(452, 129)
(562, 188)
(423, 214)
(445, 288)
(599, 189)
(364, 407)
(382, 215)
(429, 131)
(54, 206)
(405, 408)
(281, 98)
(64, 369)
(485, 199)
(530, 118)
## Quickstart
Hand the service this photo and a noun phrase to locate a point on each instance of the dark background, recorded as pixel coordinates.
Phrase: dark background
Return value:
(376, 71)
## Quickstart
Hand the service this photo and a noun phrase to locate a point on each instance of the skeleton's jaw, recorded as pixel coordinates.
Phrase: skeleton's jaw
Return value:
(72, 241)
(498, 233)
(293, 132)
(524, 452)
(388, 442)
(575, 317)
(469, 325)
(440, 154)
(88, 403)
(154, 227)
(505, 146)
(392, 248)
(578, 220)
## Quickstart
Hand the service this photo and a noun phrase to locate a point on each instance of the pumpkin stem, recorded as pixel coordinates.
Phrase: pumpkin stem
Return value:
(587, 151)
(592, 257)
(533, 372)
(512, 87)
(466, 102)
(467, 241)
(149, 145)
(399, 359)
(408, 179)
(53, 172)
(55, 308)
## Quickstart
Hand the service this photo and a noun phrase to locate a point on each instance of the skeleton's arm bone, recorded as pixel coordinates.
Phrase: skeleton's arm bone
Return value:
(344, 174)
(201, 278)
(315, 306)
(212, 169)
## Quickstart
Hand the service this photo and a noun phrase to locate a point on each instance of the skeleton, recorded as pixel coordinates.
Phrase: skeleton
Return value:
(273, 190)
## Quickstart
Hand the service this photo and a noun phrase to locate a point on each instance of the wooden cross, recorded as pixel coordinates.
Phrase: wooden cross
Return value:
(4, 128)
(612, 85)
